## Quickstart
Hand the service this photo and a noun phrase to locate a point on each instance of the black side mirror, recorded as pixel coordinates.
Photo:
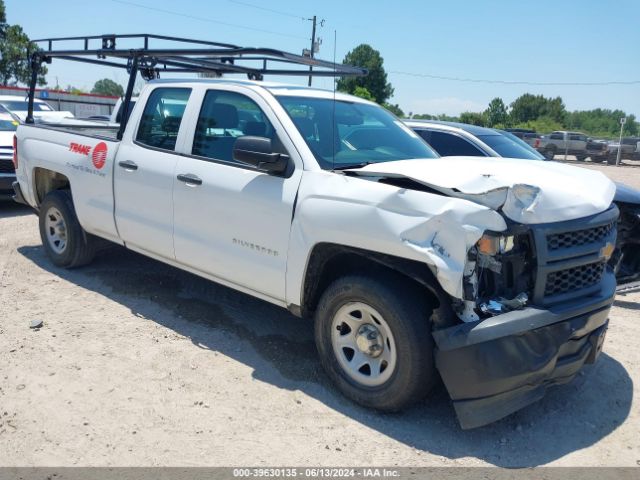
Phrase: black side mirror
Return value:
(257, 151)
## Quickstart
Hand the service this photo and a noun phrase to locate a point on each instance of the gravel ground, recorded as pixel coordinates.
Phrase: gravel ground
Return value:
(140, 364)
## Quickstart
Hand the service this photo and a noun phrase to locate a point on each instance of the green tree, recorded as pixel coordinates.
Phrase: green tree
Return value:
(108, 87)
(395, 109)
(602, 122)
(375, 81)
(362, 92)
(529, 107)
(14, 54)
(15, 67)
(473, 118)
(542, 125)
(496, 113)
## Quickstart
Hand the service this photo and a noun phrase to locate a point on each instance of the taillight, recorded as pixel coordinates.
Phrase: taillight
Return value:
(537, 144)
(15, 152)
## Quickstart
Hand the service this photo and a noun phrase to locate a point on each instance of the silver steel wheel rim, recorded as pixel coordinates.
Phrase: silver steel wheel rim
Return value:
(363, 344)
(56, 230)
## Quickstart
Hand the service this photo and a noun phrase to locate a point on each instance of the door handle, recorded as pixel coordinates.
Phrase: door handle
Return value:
(190, 179)
(128, 165)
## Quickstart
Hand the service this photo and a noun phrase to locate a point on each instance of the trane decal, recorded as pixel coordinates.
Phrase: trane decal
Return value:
(99, 155)
(78, 148)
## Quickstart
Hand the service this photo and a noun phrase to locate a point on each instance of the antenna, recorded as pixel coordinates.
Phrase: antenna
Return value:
(333, 119)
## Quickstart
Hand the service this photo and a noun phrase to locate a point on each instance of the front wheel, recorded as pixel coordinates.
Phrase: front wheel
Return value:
(374, 340)
(64, 240)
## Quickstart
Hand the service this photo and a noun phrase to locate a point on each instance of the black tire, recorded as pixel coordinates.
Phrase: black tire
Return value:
(597, 159)
(407, 313)
(612, 159)
(79, 246)
(550, 153)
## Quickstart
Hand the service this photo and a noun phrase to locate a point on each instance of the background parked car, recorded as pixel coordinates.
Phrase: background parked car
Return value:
(8, 126)
(451, 139)
(628, 149)
(560, 142)
(521, 132)
(41, 109)
(597, 150)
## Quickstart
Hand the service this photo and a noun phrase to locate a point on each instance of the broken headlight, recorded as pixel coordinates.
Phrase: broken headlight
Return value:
(491, 244)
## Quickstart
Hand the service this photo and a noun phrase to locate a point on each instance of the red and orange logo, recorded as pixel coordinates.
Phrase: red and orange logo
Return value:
(99, 155)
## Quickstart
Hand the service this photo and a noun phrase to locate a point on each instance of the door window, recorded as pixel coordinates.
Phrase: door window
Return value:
(223, 118)
(450, 144)
(162, 117)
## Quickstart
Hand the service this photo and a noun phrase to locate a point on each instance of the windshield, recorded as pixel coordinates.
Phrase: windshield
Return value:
(510, 146)
(360, 134)
(8, 125)
(23, 106)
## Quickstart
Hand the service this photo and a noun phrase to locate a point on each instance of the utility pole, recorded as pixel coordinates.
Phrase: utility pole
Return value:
(313, 45)
(622, 122)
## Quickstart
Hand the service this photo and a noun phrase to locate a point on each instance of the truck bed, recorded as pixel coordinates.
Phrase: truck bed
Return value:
(87, 129)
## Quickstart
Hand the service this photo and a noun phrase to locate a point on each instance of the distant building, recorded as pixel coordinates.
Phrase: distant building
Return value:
(82, 105)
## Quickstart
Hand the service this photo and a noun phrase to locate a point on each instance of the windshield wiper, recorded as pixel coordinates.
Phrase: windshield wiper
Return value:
(353, 165)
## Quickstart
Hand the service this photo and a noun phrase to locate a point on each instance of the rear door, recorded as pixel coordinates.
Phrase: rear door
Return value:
(232, 221)
(144, 174)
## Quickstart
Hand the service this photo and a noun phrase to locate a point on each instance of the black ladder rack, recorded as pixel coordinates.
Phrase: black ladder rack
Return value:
(192, 56)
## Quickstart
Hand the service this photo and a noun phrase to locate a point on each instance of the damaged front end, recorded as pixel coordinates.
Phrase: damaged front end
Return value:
(535, 309)
(499, 274)
(525, 266)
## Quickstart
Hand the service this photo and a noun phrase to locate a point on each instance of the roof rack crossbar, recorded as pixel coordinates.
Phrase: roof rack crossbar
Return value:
(203, 50)
(144, 36)
(137, 54)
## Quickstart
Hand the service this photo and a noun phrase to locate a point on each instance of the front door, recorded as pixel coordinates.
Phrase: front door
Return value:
(230, 220)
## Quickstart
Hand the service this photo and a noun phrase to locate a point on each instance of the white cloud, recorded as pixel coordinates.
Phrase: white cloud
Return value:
(448, 105)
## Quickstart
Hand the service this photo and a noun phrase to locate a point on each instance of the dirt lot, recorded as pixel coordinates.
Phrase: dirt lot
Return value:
(141, 364)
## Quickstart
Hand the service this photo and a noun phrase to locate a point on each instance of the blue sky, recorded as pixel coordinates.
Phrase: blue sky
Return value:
(546, 41)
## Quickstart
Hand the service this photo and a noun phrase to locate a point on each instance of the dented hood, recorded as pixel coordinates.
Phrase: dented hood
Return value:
(526, 191)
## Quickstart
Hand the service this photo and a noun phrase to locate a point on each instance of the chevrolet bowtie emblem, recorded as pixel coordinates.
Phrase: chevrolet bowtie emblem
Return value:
(607, 250)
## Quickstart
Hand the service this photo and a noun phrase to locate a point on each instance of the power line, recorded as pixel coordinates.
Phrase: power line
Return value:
(204, 19)
(258, 7)
(515, 82)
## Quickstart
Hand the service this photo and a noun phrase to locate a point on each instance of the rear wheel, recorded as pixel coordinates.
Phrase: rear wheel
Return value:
(64, 240)
(374, 340)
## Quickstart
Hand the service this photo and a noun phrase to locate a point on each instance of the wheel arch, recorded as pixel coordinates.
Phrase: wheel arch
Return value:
(46, 180)
(329, 261)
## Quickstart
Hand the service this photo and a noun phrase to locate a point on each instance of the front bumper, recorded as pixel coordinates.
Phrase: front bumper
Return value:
(497, 366)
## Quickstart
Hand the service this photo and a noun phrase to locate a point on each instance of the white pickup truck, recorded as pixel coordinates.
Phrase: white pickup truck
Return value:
(492, 272)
